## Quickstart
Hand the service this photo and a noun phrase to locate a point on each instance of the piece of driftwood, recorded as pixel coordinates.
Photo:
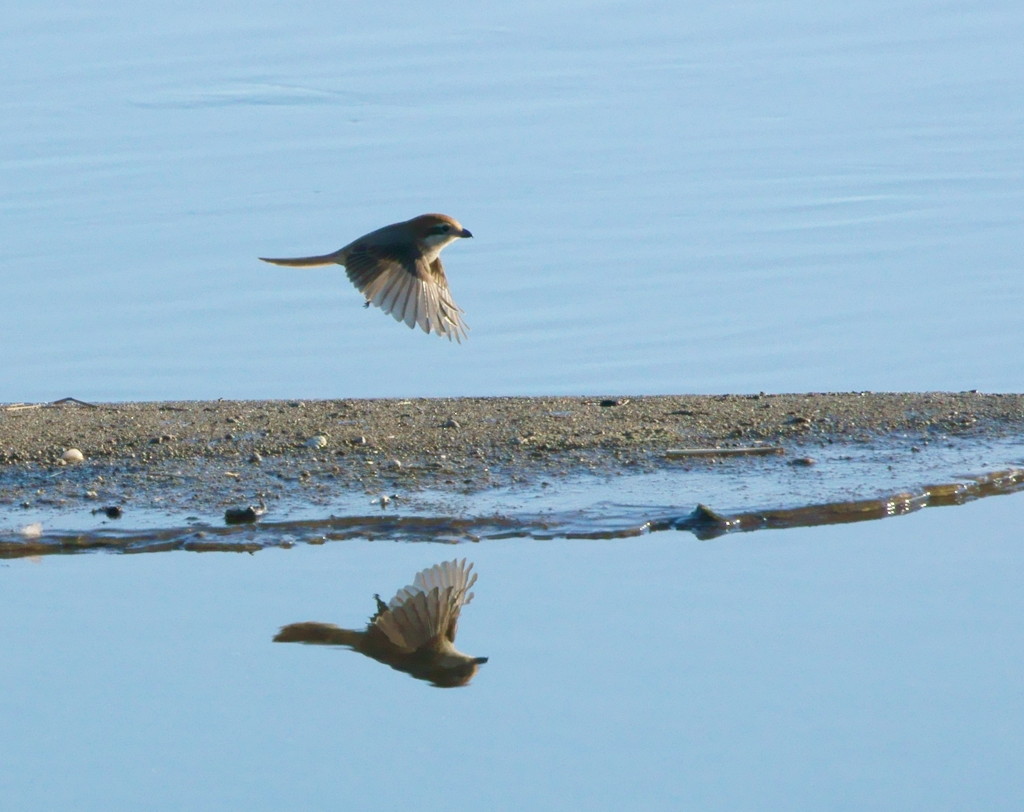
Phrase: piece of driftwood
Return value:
(751, 450)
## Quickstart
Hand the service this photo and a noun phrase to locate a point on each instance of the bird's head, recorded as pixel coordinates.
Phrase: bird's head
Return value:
(450, 671)
(435, 231)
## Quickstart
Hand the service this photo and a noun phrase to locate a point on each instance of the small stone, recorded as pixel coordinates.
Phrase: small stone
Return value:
(246, 515)
(317, 441)
(451, 423)
(72, 455)
(804, 461)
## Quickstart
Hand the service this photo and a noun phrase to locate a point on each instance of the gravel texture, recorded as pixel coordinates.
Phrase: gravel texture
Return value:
(221, 452)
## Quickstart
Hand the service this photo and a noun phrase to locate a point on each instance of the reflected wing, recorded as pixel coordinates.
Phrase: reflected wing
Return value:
(456, 575)
(428, 608)
(403, 285)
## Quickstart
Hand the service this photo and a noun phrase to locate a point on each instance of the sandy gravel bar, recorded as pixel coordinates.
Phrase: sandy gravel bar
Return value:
(507, 433)
(205, 457)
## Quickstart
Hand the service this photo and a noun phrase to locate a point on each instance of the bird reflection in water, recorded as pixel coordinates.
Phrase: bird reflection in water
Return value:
(414, 632)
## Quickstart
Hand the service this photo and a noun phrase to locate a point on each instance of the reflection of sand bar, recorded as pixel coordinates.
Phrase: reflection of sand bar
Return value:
(703, 522)
(707, 523)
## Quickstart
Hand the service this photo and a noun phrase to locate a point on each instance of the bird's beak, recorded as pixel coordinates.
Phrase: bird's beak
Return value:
(466, 233)
(479, 660)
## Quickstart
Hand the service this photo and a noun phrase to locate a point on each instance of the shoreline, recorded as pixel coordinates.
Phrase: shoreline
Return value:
(329, 468)
(206, 455)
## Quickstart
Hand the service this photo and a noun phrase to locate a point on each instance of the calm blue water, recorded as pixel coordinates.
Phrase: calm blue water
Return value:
(869, 666)
(666, 196)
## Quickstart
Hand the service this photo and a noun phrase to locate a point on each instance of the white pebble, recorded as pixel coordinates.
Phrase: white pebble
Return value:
(73, 455)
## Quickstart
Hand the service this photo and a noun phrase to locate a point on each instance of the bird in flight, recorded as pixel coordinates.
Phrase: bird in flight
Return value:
(398, 268)
(414, 632)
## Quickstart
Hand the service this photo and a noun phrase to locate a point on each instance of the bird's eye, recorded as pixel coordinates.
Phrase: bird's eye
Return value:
(441, 228)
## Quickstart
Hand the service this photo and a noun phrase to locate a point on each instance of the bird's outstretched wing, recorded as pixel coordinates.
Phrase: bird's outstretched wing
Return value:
(406, 287)
(429, 608)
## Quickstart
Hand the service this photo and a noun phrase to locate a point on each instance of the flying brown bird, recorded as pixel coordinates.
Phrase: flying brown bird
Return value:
(398, 268)
(414, 632)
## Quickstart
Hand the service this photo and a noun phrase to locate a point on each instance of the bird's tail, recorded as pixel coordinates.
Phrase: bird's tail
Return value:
(305, 262)
(325, 634)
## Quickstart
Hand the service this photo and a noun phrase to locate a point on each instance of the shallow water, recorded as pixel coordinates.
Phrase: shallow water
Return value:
(666, 197)
(875, 663)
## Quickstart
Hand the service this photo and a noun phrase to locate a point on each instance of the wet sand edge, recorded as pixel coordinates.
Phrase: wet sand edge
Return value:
(209, 455)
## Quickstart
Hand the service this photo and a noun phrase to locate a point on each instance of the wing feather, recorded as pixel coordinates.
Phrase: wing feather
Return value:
(407, 288)
(430, 606)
